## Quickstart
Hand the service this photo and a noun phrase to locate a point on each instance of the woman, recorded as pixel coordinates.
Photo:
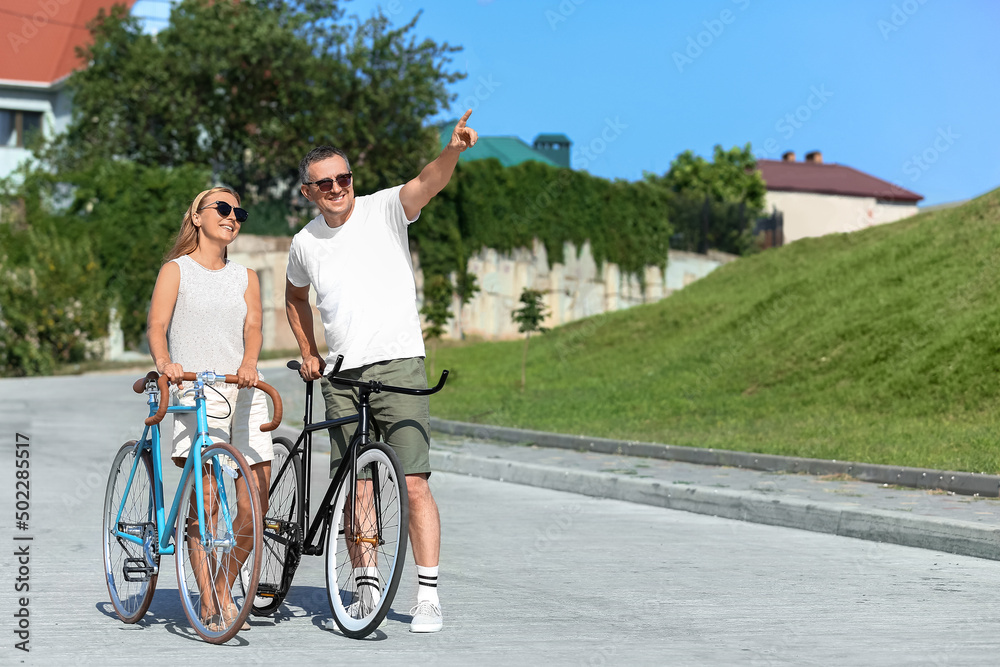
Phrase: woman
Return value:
(206, 316)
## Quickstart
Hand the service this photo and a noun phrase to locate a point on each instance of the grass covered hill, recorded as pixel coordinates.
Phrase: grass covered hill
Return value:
(881, 345)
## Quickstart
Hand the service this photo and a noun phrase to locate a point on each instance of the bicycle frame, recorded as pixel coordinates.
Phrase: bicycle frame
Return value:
(150, 441)
(303, 444)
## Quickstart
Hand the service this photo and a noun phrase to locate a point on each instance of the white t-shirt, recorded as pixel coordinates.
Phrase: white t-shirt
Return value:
(363, 278)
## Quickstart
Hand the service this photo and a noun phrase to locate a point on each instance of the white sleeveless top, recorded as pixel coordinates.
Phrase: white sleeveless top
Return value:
(206, 329)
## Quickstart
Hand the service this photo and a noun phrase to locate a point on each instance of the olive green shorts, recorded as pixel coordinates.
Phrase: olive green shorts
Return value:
(403, 421)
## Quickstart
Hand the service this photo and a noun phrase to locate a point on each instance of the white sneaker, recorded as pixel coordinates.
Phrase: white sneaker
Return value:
(426, 617)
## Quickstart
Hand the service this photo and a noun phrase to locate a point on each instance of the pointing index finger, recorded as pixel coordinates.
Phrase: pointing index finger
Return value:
(465, 117)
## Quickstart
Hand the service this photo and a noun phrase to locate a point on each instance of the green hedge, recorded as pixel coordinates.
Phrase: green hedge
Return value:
(488, 205)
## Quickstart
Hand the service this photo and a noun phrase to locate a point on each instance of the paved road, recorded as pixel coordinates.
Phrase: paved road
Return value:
(530, 575)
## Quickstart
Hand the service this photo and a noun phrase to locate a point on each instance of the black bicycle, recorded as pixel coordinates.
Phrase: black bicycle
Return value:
(365, 547)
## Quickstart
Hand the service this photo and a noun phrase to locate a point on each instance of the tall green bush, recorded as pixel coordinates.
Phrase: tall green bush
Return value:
(132, 214)
(714, 204)
(74, 245)
(52, 304)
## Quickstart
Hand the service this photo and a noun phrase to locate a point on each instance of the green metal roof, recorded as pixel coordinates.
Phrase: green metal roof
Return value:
(552, 139)
(509, 150)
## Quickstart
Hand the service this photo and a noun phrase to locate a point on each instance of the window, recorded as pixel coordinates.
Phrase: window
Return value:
(16, 127)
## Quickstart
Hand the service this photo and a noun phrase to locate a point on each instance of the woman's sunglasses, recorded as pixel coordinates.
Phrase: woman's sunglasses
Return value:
(224, 210)
(326, 184)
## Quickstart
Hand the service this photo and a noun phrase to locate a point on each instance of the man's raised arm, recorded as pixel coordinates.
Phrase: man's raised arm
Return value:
(432, 179)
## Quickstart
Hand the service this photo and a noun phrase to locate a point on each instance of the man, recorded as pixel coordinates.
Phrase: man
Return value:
(356, 255)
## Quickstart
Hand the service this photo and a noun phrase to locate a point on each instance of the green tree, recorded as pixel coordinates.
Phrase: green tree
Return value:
(248, 88)
(131, 214)
(75, 244)
(714, 204)
(529, 318)
(437, 311)
(52, 303)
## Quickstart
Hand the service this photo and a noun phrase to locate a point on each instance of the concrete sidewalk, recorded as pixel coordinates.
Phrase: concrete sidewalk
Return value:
(836, 504)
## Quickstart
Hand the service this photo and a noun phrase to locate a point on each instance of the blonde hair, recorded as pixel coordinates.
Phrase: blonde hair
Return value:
(189, 235)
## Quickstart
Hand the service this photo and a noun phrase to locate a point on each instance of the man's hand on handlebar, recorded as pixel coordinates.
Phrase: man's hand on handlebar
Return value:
(312, 367)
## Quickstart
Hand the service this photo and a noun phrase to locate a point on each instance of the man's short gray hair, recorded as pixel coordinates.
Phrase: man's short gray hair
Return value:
(319, 154)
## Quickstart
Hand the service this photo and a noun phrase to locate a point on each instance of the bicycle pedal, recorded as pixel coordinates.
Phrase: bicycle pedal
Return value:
(136, 566)
(267, 590)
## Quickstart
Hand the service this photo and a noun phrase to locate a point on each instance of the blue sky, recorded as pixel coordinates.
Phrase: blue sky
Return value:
(906, 90)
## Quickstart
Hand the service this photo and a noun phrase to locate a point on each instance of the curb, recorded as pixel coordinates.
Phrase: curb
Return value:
(950, 536)
(964, 483)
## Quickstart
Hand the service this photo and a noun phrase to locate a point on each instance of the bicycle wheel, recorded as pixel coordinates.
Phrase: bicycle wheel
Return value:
(366, 541)
(282, 533)
(130, 568)
(209, 559)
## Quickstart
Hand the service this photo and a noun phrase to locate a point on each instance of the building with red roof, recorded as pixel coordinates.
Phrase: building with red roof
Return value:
(38, 41)
(816, 198)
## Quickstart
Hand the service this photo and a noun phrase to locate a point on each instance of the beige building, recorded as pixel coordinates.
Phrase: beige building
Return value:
(815, 198)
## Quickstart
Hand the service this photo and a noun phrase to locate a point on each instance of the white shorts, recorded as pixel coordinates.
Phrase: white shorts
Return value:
(237, 422)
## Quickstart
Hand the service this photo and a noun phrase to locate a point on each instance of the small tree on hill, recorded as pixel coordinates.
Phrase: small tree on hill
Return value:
(529, 317)
(437, 312)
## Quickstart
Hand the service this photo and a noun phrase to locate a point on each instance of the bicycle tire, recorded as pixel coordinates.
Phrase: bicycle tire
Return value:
(130, 569)
(386, 509)
(230, 478)
(282, 548)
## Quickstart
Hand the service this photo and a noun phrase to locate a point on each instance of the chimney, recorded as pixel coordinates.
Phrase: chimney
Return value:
(815, 157)
(788, 156)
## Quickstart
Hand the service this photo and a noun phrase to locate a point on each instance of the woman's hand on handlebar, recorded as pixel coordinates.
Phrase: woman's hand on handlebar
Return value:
(174, 372)
(247, 375)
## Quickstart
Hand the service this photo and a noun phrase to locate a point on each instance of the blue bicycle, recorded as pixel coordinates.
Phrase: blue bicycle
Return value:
(214, 528)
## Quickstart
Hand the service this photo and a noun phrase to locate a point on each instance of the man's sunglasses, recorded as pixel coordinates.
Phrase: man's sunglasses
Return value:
(224, 210)
(326, 184)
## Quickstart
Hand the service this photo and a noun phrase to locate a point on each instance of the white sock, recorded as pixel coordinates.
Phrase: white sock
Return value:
(427, 581)
(366, 579)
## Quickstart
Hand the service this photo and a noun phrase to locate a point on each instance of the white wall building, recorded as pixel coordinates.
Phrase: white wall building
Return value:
(27, 107)
(816, 198)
